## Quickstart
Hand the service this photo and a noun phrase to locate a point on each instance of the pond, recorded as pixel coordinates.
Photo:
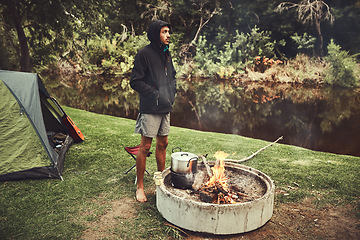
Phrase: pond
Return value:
(322, 118)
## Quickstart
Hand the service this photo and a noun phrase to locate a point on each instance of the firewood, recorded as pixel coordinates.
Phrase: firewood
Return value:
(240, 194)
(236, 188)
(208, 169)
(220, 188)
(206, 196)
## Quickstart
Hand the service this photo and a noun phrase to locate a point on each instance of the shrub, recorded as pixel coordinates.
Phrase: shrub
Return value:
(255, 43)
(301, 69)
(232, 56)
(305, 43)
(115, 55)
(205, 58)
(343, 66)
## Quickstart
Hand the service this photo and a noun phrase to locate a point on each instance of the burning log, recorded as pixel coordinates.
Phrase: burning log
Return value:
(218, 194)
(208, 170)
(216, 190)
(206, 196)
(221, 188)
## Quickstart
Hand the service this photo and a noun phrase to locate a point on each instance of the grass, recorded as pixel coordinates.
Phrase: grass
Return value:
(94, 178)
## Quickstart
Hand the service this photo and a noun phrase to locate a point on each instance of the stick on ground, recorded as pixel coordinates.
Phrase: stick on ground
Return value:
(252, 155)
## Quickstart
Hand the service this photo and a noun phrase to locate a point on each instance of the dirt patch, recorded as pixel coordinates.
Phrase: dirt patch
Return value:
(289, 221)
(302, 221)
(121, 210)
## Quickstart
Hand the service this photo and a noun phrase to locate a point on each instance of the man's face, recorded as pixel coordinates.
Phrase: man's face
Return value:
(165, 35)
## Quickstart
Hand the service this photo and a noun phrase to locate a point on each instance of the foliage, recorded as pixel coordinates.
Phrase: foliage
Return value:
(43, 28)
(205, 57)
(301, 69)
(312, 12)
(309, 11)
(305, 43)
(162, 9)
(112, 55)
(232, 57)
(255, 43)
(343, 67)
(8, 57)
(94, 36)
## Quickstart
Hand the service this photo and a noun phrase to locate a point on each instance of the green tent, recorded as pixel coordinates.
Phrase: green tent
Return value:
(33, 136)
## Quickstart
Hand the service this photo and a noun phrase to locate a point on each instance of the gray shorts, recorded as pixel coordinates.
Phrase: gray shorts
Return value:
(152, 125)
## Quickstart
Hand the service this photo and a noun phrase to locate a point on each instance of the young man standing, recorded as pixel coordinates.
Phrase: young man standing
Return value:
(153, 77)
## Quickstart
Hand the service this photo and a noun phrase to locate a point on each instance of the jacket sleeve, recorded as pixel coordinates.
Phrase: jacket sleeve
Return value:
(138, 78)
(174, 76)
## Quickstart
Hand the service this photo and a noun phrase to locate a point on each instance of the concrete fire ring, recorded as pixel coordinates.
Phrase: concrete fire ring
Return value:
(220, 219)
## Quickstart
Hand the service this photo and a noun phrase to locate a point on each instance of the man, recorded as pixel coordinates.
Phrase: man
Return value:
(153, 77)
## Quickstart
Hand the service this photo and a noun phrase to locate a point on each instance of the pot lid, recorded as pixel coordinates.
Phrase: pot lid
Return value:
(183, 156)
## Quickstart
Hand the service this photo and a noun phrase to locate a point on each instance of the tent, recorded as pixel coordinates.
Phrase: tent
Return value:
(35, 132)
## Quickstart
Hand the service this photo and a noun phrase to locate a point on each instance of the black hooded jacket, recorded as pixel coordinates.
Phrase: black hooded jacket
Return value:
(153, 75)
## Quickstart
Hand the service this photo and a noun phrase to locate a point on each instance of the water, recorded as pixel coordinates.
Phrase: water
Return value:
(322, 118)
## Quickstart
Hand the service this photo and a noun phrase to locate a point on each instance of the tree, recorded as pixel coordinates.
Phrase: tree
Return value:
(312, 12)
(44, 27)
(202, 11)
(15, 18)
(205, 16)
(161, 10)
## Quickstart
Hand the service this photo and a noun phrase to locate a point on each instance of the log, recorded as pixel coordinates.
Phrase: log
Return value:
(219, 187)
(206, 196)
(208, 169)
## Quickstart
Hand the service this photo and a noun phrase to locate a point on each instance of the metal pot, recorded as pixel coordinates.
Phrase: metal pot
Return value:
(182, 180)
(183, 162)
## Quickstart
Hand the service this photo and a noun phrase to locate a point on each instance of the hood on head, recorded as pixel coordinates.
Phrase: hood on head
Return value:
(154, 30)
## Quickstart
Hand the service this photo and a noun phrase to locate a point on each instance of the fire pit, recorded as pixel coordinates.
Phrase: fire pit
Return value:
(185, 209)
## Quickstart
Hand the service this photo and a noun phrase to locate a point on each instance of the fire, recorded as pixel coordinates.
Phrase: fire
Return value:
(218, 170)
(219, 179)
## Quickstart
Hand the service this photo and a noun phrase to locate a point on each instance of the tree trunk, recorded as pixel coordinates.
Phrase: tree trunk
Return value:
(320, 44)
(25, 62)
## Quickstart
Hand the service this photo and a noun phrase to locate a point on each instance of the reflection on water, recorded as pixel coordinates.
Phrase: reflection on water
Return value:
(319, 118)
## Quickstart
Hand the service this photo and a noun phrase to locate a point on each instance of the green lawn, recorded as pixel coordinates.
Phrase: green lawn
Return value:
(94, 178)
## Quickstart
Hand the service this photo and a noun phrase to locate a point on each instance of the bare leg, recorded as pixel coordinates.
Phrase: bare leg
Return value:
(161, 144)
(144, 148)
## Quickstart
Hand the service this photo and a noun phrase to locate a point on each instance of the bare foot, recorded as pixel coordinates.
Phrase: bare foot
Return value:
(140, 195)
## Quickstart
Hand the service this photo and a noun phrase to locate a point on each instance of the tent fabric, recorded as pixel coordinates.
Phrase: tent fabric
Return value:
(25, 149)
(15, 125)
(23, 87)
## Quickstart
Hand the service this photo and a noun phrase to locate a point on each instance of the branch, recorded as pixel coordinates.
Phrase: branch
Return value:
(252, 155)
(205, 19)
(208, 169)
(170, 225)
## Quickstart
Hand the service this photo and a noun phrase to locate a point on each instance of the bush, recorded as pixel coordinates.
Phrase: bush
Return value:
(305, 43)
(115, 55)
(255, 43)
(205, 58)
(232, 56)
(343, 66)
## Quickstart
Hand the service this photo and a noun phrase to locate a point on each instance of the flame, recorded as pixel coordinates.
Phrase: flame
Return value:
(219, 180)
(219, 171)
(220, 155)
